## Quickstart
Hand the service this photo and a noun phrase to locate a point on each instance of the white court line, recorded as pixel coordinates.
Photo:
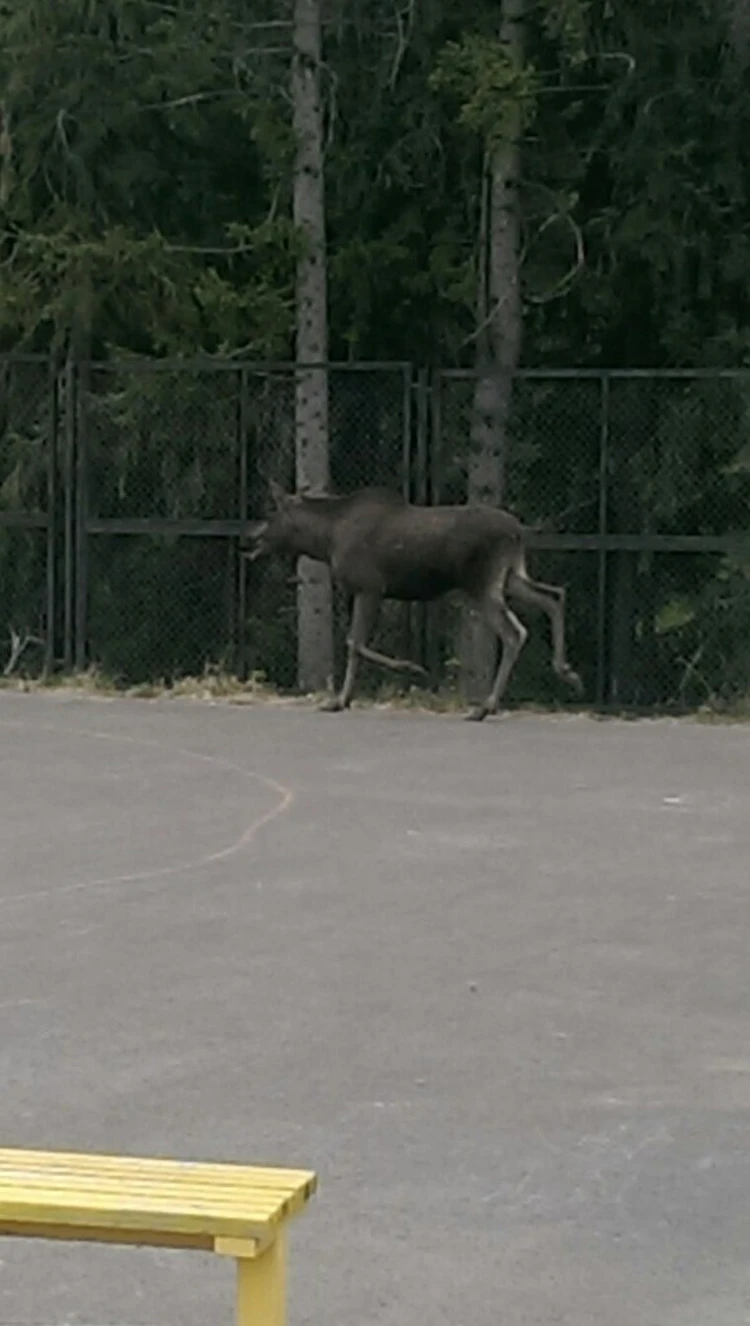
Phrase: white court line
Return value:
(285, 795)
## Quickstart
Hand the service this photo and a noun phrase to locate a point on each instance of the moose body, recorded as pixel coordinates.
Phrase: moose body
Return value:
(380, 547)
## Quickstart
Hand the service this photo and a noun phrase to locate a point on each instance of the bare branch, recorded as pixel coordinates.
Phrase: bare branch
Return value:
(18, 646)
(207, 250)
(210, 250)
(487, 322)
(566, 281)
(691, 670)
(274, 205)
(555, 292)
(404, 27)
(192, 99)
(255, 26)
(265, 50)
(620, 55)
(483, 318)
(60, 131)
(332, 108)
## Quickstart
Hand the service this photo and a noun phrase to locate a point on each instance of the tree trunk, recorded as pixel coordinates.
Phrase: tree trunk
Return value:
(314, 597)
(499, 326)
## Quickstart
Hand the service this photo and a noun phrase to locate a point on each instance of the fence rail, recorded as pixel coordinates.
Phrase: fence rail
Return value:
(125, 488)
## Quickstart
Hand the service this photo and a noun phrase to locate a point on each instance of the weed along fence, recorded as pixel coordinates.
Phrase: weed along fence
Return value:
(125, 488)
(237, 1211)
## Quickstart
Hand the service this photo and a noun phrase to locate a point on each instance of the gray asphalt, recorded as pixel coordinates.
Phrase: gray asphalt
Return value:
(492, 983)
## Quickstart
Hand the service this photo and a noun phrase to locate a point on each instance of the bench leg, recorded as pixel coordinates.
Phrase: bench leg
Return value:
(261, 1286)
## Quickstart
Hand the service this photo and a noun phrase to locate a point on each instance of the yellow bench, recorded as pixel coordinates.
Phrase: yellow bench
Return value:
(236, 1210)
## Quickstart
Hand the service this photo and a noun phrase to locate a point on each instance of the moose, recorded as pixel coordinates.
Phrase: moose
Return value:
(379, 546)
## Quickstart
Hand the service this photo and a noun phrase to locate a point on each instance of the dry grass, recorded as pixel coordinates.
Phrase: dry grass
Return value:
(216, 685)
(736, 711)
(212, 685)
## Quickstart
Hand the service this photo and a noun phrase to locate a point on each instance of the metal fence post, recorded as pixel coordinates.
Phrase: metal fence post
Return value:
(434, 488)
(422, 497)
(82, 514)
(243, 501)
(69, 378)
(410, 386)
(436, 438)
(421, 487)
(51, 610)
(601, 623)
(406, 433)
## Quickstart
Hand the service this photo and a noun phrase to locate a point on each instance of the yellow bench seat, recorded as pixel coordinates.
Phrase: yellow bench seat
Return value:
(235, 1210)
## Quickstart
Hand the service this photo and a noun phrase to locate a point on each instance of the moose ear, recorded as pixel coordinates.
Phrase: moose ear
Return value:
(278, 496)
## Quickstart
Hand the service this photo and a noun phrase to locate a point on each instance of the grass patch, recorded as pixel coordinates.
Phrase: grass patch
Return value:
(212, 685)
(90, 682)
(725, 711)
(216, 685)
(390, 696)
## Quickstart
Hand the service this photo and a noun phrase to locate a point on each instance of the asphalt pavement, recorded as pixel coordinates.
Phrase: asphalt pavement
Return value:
(491, 982)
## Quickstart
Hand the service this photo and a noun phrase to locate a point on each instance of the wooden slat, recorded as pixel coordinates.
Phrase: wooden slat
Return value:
(151, 1238)
(186, 1199)
(263, 1207)
(160, 1168)
(198, 1190)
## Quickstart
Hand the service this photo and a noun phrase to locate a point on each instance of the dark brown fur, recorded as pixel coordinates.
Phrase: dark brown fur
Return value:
(379, 547)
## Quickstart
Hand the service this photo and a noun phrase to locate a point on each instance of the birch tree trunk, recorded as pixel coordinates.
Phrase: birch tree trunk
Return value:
(499, 329)
(314, 597)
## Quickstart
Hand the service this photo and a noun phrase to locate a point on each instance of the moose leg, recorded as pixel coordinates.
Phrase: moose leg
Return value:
(551, 600)
(512, 635)
(363, 619)
(393, 664)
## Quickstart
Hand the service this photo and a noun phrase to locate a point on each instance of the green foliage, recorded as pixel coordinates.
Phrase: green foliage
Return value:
(137, 137)
(664, 191)
(481, 74)
(128, 162)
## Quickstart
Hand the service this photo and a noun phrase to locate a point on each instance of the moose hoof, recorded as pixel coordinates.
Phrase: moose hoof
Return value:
(332, 706)
(477, 714)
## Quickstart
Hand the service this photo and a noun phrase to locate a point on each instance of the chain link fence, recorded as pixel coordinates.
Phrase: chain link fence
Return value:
(552, 477)
(173, 460)
(370, 422)
(159, 461)
(28, 428)
(125, 487)
(636, 487)
(678, 600)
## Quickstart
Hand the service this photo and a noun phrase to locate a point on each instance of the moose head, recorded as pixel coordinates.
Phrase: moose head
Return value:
(293, 527)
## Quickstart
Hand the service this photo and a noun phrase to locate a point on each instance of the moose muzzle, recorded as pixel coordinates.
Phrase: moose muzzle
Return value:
(254, 543)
